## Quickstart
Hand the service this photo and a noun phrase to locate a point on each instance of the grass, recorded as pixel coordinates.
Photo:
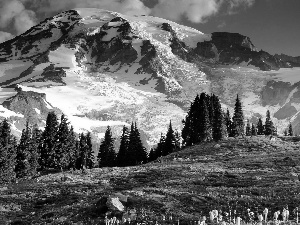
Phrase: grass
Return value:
(240, 173)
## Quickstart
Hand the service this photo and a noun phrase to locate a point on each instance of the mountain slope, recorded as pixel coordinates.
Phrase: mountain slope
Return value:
(103, 68)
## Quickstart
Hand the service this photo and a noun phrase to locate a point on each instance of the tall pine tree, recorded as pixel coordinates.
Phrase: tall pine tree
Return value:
(35, 146)
(238, 119)
(23, 156)
(8, 145)
(169, 145)
(90, 160)
(248, 129)
(204, 124)
(106, 156)
(269, 127)
(260, 127)
(228, 123)
(290, 130)
(123, 150)
(219, 127)
(49, 141)
(253, 130)
(61, 158)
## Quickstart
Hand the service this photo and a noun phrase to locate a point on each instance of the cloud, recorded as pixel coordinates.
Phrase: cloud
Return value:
(8, 10)
(221, 25)
(4, 36)
(235, 5)
(128, 7)
(24, 21)
(197, 11)
(13, 13)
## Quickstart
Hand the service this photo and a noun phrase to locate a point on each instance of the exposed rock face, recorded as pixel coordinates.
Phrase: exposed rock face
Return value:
(234, 49)
(32, 105)
(293, 61)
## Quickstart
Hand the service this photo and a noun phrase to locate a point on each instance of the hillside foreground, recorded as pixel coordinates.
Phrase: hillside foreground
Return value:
(236, 174)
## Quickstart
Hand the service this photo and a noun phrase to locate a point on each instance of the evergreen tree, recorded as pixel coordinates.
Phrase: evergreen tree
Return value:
(83, 151)
(248, 129)
(23, 156)
(35, 146)
(61, 157)
(219, 128)
(177, 141)
(269, 128)
(228, 123)
(204, 125)
(238, 119)
(123, 150)
(253, 130)
(290, 130)
(140, 150)
(152, 155)
(8, 145)
(285, 133)
(160, 146)
(90, 153)
(169, 145)
(49, 141)
(186, 132)
(73, 149)
(260, 127)
(106, 155)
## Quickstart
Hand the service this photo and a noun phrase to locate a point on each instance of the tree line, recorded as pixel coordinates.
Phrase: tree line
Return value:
(58, 147)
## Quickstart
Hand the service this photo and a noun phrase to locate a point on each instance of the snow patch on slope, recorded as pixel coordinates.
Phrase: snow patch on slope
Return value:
(290, 75)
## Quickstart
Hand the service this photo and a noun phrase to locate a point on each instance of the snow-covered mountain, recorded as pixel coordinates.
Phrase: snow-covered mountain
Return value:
(103, 68)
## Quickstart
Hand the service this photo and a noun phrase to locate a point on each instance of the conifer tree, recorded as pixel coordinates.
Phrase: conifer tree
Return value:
(238, 119)
(248, 129)
(49, 141)
(23, 156)
(73, 151)
(290, 130)
(90, 153)
(285, 132)
(186, 132)
(61, 158)
(106, 155)
(260, 127)
(8, 145)
(228, 123)
(123, 150)
(152, 155)
(169, 145)
(219, 128)
(83, 151)
(177, 141)
(35, 146)
(140, 150)
(269, 128)
(253, 130)
(160, 146)
(204, 125)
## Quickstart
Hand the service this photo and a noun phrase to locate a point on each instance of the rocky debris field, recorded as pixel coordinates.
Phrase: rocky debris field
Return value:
(235, 174)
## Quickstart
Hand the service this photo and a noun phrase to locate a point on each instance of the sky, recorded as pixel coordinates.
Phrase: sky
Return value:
(272, 25)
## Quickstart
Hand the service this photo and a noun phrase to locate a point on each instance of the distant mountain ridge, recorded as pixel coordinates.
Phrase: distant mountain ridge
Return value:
(103, 68)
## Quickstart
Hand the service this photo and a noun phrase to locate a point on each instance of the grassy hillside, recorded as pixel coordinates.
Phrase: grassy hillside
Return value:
(234, 174)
